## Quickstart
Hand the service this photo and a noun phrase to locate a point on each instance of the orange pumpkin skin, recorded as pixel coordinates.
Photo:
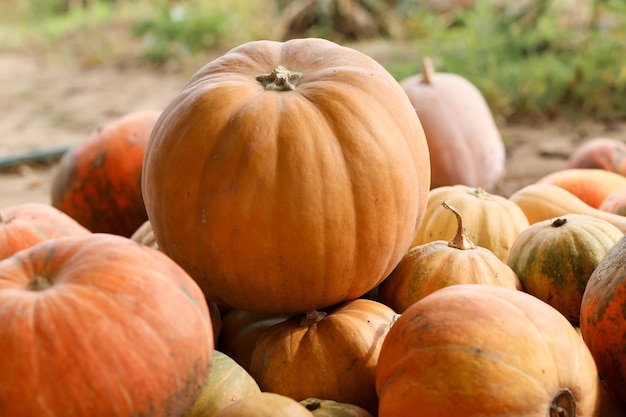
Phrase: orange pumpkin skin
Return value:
(601, 153)
(603, 317)
(554, 258)
(325, 354)
(592, 186)
(98, 181)
(431, 266)
(98, 325)
(240, 331)
(472, 349)
(465, 144)
(251, 171)
(24, 225)
(615, 202)
(491, 221)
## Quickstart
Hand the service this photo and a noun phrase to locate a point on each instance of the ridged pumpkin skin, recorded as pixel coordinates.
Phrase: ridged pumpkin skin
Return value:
(491, 221)
(465, 144)
(287, 176)
(26, 224)
(431, 266)
(330, 408)
(98, 181)
(546, 201)
(482, 350)
(555, 258)
(98, 325)
(603, 317)
(265, 404)
(228, 382)
(592, 186)
(615, 202)
(325, 354)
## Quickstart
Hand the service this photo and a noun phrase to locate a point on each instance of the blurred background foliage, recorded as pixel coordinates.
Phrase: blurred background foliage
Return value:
(530, 58)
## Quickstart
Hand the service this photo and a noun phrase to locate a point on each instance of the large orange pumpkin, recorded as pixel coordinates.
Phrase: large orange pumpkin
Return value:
(483, 350)
(464, 141)
(98, 181)
(98, 325)
(287, 176)
(26, 224)
(603, 317)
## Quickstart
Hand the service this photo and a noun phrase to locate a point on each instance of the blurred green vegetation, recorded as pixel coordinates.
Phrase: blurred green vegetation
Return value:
(530, 58)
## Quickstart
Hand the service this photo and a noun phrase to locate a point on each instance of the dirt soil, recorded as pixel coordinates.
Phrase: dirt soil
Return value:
(50, 103)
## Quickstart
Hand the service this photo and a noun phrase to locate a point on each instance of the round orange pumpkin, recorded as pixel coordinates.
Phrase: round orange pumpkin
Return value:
(98, 181)
(324, 354)
(603, 317)
(287, 176)
(431, 266)
(464, 141)
(483, 350)
(491, 221)
(26, 224)
(98, 325)
(554, 258)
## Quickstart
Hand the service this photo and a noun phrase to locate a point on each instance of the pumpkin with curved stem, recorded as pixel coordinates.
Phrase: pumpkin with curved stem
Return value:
(603, 317)
(491, 220)
(464, 141)
(271, 182)
(98, 325)
(554, 258)
(431, 266)
(98, 180)
(26, 224)
(473, 349)
(324, 354)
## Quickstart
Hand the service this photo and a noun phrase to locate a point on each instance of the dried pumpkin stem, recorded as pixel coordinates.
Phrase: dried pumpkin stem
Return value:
(559, 222)
(563, 404)
(428, 70)
(460, 240)
(280, 79)
(39, 284)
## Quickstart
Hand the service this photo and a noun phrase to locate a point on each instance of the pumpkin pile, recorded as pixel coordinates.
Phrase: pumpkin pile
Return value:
(288, 238)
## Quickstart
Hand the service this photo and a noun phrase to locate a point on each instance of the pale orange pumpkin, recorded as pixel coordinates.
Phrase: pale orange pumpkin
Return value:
(431, 266)
(464, 141)
(491, 220)
(324, 354)
(483, 350)
(287, 176)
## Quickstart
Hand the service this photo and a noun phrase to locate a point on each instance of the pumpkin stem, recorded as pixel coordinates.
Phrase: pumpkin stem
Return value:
(312, 317)
(563, 404)
(39, 284)
(280, 79)
(428, 70)
(314, 405)
(461, 240)
(480, 192)
(559, 222)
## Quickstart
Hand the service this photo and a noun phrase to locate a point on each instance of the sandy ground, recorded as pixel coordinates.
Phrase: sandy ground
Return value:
(46, 104)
